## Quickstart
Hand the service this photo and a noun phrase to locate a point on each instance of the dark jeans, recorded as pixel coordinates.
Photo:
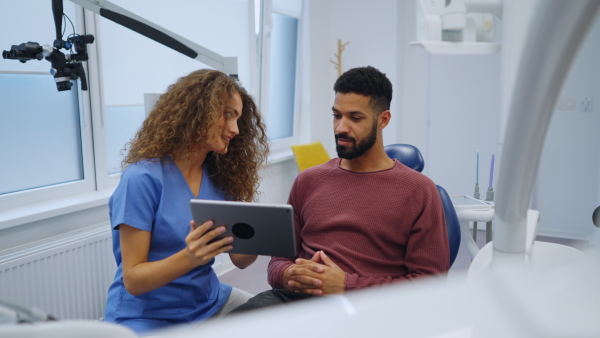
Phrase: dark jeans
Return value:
(276, 296)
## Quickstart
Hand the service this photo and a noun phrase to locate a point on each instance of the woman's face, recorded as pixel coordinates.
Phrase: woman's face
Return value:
(226, 127)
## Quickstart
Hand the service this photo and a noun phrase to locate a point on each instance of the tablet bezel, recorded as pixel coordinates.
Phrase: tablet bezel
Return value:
(273, 225)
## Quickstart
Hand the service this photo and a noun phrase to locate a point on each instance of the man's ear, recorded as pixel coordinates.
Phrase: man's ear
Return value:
(383, 119)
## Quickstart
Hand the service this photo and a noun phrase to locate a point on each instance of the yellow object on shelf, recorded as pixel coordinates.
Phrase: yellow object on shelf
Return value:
(310, 155)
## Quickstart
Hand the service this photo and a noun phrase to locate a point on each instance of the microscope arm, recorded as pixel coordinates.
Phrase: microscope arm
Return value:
(110, 11)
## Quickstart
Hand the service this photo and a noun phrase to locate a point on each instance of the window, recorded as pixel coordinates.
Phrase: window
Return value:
(282, 76)
(39, 135)
(133, 64)
(45, 135)
(279, 38)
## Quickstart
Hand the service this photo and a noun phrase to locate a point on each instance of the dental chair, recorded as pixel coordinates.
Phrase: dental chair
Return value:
(411, 157)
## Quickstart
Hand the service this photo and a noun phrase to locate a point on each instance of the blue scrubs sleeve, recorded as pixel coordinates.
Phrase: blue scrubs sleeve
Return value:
(136, 199)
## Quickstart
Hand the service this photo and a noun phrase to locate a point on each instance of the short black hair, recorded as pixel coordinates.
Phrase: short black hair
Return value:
(368, 81)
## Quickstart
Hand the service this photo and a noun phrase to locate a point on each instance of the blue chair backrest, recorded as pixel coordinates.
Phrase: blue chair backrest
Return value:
(411, 157)
(406, 154)
(452, 224)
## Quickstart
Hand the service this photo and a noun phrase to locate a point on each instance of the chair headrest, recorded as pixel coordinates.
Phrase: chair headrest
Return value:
(406, 154)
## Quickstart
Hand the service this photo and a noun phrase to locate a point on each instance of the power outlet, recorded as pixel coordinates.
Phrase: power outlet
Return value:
(586, 105)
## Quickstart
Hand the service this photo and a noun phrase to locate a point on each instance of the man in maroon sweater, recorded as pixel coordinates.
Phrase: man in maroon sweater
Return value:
(361, 219)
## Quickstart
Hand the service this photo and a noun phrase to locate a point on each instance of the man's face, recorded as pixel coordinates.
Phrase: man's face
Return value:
(354, 125)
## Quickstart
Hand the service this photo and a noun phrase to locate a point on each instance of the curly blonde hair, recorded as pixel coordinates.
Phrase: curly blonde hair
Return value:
(183, 119)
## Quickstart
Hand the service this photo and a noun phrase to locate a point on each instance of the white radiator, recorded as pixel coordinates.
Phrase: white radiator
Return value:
(67, 278)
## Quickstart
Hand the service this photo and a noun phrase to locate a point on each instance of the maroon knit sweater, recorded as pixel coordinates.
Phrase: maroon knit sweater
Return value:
(379, 227)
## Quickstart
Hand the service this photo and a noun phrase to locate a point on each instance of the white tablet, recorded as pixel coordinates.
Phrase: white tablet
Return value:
(257, 228)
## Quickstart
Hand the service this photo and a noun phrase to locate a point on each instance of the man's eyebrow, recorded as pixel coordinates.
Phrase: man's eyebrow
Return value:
(357, 112)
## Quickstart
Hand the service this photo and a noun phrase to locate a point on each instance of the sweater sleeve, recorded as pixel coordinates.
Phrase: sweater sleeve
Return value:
(275, 270)
(427, 251)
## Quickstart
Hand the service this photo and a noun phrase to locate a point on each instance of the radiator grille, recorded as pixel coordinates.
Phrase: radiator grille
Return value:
(66, 278)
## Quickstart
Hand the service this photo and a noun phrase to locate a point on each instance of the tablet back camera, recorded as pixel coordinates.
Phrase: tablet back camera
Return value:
(242, 230)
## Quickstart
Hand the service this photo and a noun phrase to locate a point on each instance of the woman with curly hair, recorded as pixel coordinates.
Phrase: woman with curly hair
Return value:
(204, 139)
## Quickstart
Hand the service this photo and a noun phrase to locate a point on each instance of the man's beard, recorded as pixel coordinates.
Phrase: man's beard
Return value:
(359, 148)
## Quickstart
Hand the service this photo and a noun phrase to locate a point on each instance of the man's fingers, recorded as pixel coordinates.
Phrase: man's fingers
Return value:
(313, 292)
(307, 289)
(301, 286)
(316, 257)
(296, 286)
(327, 260)
(306, 280)
(308, 265)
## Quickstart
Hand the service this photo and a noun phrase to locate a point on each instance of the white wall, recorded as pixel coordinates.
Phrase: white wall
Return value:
(412, 87)
(371, 29)
(568, 187)
(277, 181)
(464, 108)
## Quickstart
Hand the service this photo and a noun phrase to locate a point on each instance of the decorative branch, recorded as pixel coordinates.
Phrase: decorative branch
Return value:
(338, 55)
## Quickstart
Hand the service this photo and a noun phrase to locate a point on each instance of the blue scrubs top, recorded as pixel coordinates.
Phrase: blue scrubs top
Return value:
(154, 196)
